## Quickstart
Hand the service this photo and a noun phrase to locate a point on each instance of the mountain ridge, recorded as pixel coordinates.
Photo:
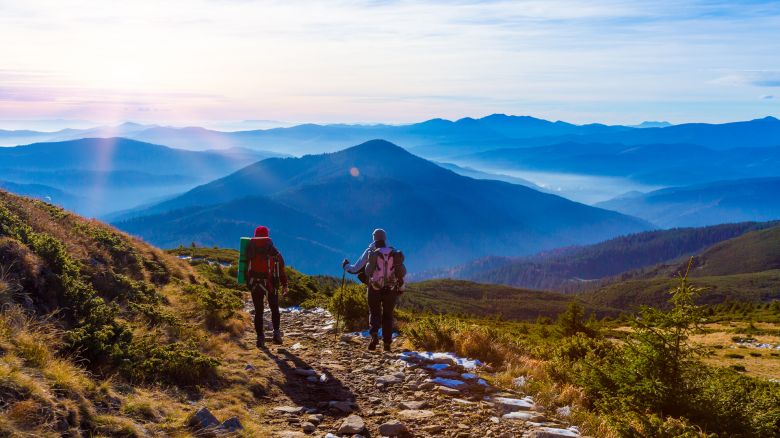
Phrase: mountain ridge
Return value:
(422, 205)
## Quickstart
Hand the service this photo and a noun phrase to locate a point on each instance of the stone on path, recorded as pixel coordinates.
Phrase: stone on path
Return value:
(296, 410)
(343, 406)
(315, 418)
(525, 416)
(389, 379)
(448, 391)
(552, 432)
(352, 424)
(433, 428)
(202, 419)
(514, 404)
(414, 404)
(392, 428)
(290, 434)
(305, 372)
(415, 414)
(308, 427)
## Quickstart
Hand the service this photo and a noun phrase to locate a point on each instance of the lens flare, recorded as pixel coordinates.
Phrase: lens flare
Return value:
(354, 172)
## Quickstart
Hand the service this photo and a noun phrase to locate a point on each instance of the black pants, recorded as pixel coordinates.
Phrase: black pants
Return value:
(380, 312)
(273, 302)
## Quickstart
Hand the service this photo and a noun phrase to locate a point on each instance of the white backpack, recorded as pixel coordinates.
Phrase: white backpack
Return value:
(385, 268)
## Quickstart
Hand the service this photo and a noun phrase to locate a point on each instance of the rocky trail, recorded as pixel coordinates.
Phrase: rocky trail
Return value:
(324, 385)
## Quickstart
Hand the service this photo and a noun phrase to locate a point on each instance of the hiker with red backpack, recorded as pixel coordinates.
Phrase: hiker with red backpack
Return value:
(264, 276)
(381, 268)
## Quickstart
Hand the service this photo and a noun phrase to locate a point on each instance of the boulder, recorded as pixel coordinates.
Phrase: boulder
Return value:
(231, 425)
(202, 419)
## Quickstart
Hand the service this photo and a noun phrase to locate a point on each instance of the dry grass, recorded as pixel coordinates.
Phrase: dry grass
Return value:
(758, 362)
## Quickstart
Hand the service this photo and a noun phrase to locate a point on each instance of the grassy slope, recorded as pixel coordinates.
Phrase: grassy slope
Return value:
(565, 269)
(468, 298)
(103, 335)
(746, 268)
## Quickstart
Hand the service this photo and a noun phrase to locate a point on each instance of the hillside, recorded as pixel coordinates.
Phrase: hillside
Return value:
(753, 199)
(322, 208)
(73, 289)
(745, 268)
(574, 268)
(103, 335)
(460, 297)
(112, 174)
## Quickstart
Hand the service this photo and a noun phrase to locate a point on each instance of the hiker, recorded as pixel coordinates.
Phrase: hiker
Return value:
(381, 268)
(265, 274)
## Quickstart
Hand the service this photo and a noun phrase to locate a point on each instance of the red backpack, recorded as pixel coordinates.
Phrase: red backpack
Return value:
(263, 263)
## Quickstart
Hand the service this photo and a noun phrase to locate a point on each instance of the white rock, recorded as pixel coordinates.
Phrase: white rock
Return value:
(514, 404)
(296, 410)
(552, 432)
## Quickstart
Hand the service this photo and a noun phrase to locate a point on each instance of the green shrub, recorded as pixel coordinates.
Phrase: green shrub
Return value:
(300, 288)
(738, 368)
(572, 321)
(178, 362)
(350, 306)
(734, 356)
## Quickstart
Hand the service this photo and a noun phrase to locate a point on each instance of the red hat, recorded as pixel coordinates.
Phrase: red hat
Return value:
(261, 231)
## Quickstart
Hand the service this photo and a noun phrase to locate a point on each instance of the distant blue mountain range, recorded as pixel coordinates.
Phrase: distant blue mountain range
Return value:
(322, 208)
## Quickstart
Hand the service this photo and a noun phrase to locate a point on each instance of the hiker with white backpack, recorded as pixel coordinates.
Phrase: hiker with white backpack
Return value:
(381, 268)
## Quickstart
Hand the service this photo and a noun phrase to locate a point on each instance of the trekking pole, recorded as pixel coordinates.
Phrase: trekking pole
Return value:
(338, 306)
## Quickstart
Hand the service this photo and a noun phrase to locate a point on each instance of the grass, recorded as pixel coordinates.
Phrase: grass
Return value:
(558, 364)
(467, 298)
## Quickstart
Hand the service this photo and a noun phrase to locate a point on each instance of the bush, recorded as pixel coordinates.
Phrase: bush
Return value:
(435, 333)
(350, 306)
(572, 321)
(179, 363)
(734, 356)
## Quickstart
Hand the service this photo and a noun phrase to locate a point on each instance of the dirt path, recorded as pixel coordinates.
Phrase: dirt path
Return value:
(321, 385)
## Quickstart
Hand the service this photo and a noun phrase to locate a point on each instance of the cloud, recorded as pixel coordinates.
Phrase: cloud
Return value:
(756, 78)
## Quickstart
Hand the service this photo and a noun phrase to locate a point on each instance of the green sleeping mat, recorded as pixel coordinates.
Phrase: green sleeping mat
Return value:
(242, 261)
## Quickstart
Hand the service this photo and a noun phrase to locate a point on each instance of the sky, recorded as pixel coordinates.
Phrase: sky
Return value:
(206, 62)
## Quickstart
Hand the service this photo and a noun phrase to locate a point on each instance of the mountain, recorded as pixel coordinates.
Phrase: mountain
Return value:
(116, 173)
(435, 138)
(660, 163)
(477, 174)
(653, 124)
(42, 192)
(323, 207)
(745, 268)
(574, 268)
(704, 204)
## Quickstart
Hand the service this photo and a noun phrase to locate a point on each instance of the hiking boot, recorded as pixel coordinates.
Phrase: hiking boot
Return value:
(260, 343)
(388, 347)
(374, 341)
(277, 337)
